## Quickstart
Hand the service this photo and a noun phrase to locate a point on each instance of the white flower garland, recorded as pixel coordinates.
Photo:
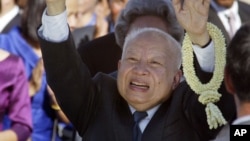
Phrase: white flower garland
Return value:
(208, 92)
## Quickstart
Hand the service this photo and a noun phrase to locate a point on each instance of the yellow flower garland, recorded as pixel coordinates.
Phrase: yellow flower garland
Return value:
(208, 92)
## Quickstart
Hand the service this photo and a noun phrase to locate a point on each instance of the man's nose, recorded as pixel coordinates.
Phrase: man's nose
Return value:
(141, 68)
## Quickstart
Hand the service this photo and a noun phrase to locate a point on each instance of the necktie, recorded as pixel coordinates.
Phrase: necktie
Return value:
(231, 22)
(138, 116)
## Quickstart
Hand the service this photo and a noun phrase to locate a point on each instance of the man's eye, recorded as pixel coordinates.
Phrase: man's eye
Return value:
(155, 63)
(132, 59)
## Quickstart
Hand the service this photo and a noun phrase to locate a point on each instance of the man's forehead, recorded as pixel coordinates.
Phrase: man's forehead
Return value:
(153, 39)
(146, 40)
(154, 36)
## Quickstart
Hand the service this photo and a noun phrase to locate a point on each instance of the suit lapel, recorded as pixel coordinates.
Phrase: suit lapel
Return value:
(155, 128)
(243, 16)
(213, 18)
(122, 120)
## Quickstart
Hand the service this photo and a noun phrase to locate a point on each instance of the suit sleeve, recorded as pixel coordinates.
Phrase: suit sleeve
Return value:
(70, 80)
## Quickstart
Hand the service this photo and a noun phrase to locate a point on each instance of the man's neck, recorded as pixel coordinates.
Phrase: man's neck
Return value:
(243, 109)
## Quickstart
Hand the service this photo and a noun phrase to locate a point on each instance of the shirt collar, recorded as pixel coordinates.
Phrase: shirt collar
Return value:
(150, 112)
(234, 8)
(241, 119)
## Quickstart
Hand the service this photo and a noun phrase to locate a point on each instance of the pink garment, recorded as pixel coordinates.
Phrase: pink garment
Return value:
(14, 98)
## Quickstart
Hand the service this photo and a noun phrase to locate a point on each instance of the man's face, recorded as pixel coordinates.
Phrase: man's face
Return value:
(148, 72)
(225, 3)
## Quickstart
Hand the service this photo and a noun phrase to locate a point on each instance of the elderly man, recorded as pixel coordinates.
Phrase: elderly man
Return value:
(147, 85)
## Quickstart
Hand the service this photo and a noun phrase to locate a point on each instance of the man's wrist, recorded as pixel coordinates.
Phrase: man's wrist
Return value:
(201, 40)
(207, 44)
(54, 9)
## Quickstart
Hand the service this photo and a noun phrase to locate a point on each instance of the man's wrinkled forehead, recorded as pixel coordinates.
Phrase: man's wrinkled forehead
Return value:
(149, 33)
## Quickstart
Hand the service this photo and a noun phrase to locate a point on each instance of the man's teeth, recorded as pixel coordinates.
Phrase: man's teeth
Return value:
(140, 84)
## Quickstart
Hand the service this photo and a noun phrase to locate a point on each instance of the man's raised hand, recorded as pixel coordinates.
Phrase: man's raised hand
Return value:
(192, 16)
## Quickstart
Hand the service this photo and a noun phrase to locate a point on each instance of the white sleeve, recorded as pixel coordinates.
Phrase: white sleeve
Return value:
(205, 56)
(54, 28)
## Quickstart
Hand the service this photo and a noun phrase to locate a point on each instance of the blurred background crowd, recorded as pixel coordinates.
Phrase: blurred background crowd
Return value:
(42, 119)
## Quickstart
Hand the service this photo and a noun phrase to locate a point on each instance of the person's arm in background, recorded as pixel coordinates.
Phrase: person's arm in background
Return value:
(8, 135)
(35, 81)
(19, 111)
(54, 105)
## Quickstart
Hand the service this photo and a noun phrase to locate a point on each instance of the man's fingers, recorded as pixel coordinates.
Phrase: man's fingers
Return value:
(201, 3)
(206, 3)
(176, 2)
(178, 6)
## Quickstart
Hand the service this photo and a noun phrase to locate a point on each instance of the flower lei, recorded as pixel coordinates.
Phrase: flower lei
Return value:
(208, 92)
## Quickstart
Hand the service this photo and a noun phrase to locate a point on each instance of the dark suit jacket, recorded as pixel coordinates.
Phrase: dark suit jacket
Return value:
(244, 12)
(16, 21)
(101, 54)
(99, 113)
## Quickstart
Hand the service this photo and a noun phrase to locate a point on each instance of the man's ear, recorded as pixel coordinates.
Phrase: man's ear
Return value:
(228, 82)
(177, 79)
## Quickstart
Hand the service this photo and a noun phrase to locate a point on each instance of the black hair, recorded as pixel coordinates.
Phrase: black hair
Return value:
(238, 62)
(31, 19)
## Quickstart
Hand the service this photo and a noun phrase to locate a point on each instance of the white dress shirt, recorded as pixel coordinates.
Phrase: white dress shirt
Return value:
(144, 122)
(224, 12)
